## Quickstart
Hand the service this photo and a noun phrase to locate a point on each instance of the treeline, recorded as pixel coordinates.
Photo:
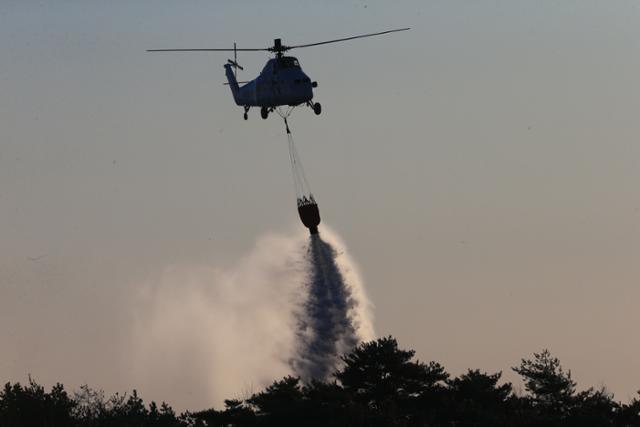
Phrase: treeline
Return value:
(378, 385)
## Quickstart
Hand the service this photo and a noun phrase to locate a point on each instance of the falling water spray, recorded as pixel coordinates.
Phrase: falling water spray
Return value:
(291, 306)
(327, 322)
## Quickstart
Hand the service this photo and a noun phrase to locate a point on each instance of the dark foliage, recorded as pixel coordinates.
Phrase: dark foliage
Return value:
(378, 385)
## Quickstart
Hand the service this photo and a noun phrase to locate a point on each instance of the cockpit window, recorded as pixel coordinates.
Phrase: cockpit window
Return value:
(289, 62)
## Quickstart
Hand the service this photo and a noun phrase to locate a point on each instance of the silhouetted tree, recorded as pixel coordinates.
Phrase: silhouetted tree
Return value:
(163, 417)
(385, 379)
(628, 415)
(205, 418)
(236, 414)
(593, 408)
(552, 390)
(330, 404)
(90, 406)
(32, 406)
(379, 385)
(479, 400)
(280, 404)
(378, 371)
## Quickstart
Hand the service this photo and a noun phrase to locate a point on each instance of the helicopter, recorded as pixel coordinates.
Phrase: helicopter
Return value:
(280, 83)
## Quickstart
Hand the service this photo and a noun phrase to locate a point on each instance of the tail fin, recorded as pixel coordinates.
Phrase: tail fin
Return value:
(233, 84)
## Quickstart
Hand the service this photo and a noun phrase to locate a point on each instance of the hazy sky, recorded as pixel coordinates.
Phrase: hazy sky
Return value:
(482, 169)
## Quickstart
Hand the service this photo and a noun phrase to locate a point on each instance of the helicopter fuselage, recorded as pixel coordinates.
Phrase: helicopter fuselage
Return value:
(281, 82)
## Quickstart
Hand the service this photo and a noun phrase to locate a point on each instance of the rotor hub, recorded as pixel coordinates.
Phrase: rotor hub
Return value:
(278, 48)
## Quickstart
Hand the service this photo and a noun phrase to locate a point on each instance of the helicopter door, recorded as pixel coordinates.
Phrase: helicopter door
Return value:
(265, 91)
(275, 82)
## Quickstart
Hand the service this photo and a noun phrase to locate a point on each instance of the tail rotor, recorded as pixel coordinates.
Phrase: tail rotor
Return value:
(234, 63)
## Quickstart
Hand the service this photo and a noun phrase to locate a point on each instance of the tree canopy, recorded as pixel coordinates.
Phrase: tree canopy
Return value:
(378, 384)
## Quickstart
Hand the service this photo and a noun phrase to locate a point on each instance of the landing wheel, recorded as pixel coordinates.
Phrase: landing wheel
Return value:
(246, 116)
(264, 112)
(317, 108)
(246, 110)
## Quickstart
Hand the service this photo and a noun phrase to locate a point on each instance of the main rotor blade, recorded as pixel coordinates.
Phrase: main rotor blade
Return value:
(347, 38)
(206, 50)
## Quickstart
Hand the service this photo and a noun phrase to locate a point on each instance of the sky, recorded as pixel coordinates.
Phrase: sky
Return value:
(481, 169)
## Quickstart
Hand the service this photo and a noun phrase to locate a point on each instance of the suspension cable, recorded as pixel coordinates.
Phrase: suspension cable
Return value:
(300, 182)
(284, 112)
